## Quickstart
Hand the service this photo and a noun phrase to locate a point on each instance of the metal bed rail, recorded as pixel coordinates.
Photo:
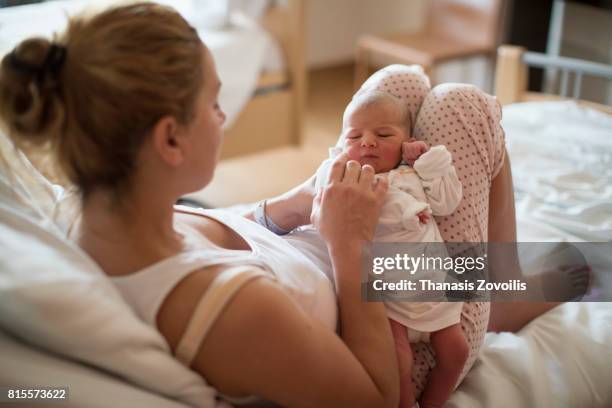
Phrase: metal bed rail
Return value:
(567, 66)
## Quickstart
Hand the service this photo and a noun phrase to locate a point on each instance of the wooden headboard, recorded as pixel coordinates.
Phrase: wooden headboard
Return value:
(285, 20)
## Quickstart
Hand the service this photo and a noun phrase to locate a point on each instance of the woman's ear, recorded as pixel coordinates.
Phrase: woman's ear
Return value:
(167, 141)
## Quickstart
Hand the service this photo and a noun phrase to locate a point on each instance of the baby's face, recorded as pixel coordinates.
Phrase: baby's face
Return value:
(373, 134)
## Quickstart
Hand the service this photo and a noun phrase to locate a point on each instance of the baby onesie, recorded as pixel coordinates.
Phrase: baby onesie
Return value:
(431, 186)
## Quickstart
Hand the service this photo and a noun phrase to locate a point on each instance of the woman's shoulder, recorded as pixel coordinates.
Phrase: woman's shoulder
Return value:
(206, 291)
(263, 328)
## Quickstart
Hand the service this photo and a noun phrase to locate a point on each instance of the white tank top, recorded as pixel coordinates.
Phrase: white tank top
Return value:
(145, 290)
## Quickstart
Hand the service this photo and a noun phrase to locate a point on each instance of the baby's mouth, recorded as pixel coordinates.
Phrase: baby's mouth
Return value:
(369, 156)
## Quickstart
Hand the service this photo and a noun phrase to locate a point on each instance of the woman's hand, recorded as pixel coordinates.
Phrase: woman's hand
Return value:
(346, 212)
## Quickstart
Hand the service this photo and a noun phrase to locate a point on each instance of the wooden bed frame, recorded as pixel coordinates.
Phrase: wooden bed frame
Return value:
(274, 115)
(511, 76)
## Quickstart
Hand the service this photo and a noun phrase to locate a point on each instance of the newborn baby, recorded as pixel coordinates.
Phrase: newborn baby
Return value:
(377, 131)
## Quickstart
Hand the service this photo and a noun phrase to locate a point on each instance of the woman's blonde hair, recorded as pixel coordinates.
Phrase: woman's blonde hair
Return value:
(94, 94)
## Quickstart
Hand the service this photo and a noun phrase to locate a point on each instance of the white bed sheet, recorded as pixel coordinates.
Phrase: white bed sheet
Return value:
(561, 157)
(242, 51)
(562, 359)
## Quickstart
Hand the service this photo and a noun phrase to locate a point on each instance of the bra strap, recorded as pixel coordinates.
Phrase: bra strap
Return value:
(217, 296)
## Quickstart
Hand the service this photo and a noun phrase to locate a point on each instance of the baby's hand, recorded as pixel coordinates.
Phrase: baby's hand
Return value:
(411, 151)
(423, 217)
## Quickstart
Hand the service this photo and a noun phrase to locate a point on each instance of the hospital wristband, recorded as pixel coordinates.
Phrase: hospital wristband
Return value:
(262, 219)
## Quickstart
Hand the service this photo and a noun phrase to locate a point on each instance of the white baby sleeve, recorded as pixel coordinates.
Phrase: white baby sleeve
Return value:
(440, 182)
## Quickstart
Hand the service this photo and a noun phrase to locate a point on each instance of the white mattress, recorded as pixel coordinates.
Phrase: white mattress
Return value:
(242, 50)
(561, 157)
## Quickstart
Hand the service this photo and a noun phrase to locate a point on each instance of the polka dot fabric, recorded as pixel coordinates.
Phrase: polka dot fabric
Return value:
(408, 83)
(467, 122)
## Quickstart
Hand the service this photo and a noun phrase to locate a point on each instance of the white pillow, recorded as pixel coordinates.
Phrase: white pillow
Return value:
(54, 296)
(27, 367)
(23, 185)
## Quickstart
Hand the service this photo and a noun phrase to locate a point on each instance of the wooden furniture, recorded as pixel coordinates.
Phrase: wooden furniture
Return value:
(454, 29)
(511, 77)
(274, 115)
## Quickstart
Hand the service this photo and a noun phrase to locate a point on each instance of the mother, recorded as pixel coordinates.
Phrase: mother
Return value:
(128, 101)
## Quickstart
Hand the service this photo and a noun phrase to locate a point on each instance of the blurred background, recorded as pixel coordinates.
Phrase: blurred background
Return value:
(290, 67)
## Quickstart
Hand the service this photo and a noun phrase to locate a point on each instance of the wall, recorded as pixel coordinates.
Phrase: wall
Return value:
(334, 25)
(587, 34)
(332, 28)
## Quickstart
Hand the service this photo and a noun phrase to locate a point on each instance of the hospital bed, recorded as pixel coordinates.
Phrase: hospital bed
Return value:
(259, 51)
(62, 323)
(560, 150)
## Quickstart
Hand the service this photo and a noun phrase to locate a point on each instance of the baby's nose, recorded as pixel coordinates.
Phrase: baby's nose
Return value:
(368, 140)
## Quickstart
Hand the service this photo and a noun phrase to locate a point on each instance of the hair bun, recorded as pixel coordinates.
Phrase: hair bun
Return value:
(52, 63)
(30, 79)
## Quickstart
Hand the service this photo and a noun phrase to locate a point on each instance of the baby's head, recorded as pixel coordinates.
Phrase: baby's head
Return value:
(374, 126)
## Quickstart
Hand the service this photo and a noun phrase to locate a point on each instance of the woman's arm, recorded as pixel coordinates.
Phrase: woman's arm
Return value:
(508, 316)
(291, 209)
(264, 343)
(502, 215)
(346, 213)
